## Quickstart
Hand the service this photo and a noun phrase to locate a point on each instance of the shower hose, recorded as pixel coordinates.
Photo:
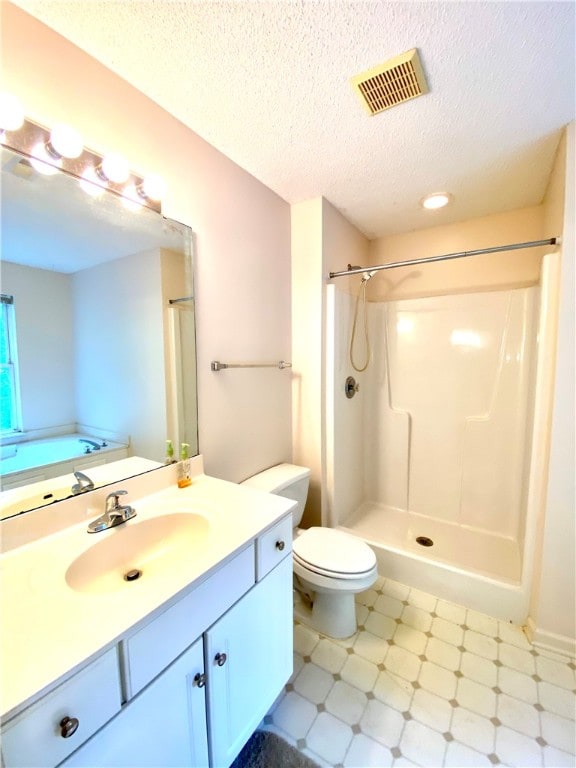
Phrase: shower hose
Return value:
(361, 291)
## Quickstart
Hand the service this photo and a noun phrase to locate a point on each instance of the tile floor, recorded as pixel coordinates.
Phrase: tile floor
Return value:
(429, 683)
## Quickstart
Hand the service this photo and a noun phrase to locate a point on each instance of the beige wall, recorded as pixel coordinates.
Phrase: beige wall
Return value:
(306, 218)
(242, 236)
(119, 364)
(43, 306)
(342, 244)
(322, 241)
(553, 607)
(475, 273)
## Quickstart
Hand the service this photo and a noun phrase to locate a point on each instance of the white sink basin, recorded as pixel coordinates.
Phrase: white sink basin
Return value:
(141, 549)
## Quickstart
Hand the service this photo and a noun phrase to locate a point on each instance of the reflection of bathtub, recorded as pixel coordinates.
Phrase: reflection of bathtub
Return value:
(46, 492)
(30, 462)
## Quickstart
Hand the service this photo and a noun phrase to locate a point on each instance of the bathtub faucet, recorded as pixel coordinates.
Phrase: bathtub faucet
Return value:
(84, 483)
(90, 445)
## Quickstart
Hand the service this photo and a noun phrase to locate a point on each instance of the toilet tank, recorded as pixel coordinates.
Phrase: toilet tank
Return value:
(286, 480)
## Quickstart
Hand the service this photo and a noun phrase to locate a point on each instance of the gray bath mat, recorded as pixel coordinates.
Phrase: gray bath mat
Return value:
(267, 750)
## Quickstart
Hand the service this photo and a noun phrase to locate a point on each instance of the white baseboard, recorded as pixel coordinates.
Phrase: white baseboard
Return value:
(550, 641)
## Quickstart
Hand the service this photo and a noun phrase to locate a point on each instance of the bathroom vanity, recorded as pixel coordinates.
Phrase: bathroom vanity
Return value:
(175, 666)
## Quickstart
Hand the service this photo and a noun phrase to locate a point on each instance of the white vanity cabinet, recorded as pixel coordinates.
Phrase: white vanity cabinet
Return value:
(203, 708)
(174, 669)
(186, 687)
(248, 656)
(165, 725)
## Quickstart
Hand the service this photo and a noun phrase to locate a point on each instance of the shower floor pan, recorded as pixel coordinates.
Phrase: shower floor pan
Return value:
(465, 549)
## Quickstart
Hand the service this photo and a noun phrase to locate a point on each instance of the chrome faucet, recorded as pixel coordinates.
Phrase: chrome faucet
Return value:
(114, 514)
(84, 483)
(90, 445)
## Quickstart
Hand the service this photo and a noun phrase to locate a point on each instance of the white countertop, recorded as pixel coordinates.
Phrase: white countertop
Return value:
(48, 629)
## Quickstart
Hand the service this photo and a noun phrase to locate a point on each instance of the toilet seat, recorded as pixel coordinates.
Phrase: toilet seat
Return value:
(330, 574)
(333, 554)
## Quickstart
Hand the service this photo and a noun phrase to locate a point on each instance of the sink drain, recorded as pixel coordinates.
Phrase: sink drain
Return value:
(424, 541)
(132, 575)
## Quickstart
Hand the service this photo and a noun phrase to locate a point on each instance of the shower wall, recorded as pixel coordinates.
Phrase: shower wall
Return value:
(440, 425)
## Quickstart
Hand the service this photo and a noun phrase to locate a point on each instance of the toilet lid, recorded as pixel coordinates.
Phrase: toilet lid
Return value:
(326, 550)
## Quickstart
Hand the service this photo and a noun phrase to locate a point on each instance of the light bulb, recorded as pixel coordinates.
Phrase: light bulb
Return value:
(436, 200)
(153, 187)
(43, 162)
(11, 112)
(114, 168)
(91, 183)
(131, 199)
(65, 141)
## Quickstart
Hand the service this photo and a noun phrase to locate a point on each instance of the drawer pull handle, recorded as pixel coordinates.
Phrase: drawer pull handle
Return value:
(280, 545)
(200, 679)
(68, 726)
(220, 659)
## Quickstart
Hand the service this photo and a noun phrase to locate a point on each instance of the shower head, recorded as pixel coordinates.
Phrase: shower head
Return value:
(367, 275)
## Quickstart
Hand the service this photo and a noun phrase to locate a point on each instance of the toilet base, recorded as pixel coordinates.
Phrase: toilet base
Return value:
(333, 615)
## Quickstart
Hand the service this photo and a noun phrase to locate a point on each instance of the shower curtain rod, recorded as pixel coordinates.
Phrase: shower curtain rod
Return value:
(446, 257)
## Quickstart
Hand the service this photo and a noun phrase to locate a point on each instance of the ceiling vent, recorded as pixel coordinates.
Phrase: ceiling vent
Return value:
(391, 83)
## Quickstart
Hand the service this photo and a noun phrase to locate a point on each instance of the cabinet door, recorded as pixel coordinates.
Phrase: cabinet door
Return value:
(248, 661)
(164, 726)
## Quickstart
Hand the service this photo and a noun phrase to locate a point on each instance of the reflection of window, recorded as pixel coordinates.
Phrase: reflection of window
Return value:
(9, 394)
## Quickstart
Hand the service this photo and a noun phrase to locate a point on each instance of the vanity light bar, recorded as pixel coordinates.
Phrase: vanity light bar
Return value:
(47, 154)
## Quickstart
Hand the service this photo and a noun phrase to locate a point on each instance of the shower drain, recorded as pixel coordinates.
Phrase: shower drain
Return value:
(424, 541)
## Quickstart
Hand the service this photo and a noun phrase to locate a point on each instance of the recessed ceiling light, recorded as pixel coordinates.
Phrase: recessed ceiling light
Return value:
(436, 200)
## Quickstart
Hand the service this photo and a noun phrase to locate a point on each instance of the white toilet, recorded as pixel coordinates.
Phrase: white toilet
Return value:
(330, 566)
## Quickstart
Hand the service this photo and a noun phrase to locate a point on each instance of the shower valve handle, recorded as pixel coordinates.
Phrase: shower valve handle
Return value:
(351, 386)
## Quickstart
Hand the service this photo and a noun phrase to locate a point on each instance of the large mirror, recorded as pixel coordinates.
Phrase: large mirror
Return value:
(98, 366)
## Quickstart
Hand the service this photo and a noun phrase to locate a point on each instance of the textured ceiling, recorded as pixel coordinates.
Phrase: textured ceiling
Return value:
(267, 83)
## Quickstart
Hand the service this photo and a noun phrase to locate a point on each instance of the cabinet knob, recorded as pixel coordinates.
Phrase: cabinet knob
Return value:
(220, 659)
(68, 726)
(200, 679)
(280, 545)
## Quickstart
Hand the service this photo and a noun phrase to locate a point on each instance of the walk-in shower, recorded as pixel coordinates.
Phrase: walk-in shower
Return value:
(431, 462)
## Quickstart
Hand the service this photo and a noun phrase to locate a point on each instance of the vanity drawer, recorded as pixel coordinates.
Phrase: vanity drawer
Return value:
(151, 649)
(273, 546)
(34, 738)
